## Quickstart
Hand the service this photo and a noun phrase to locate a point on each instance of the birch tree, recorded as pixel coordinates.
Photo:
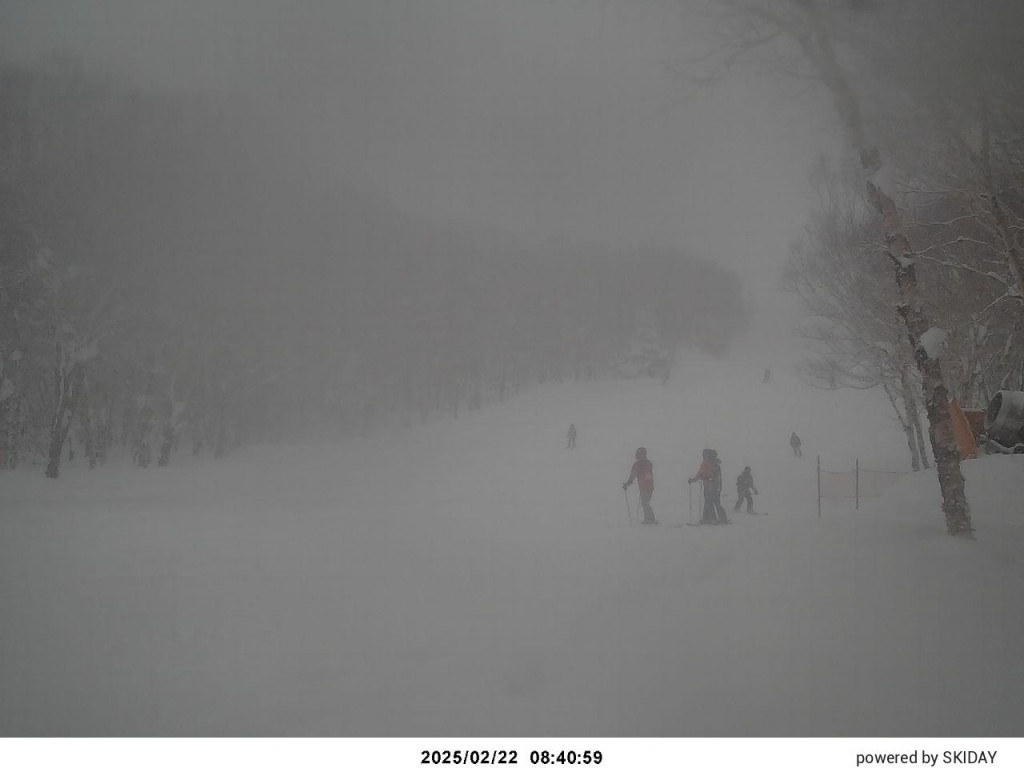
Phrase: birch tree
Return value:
(815, 28)
(853, 329)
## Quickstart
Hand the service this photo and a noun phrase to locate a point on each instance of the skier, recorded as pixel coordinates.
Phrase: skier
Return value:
(570, 437)
(744, 485)
(643, 473)
(142, 455)
(710, 473)
(794, 443)
(767, 375)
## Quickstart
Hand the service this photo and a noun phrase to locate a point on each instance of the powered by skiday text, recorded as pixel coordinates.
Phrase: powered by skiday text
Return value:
(923, 757)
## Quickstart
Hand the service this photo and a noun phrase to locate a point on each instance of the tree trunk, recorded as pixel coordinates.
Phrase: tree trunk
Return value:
(817, 45)
(166, 444)
(919, 431)
(15, 429)
(946, 452)
(89, 437)
(936, 395)
(913, 419)
(906, 423)
(67, 385)
(915, 461)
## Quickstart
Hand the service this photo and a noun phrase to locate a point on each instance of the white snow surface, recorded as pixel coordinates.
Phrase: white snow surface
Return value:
(932, 341)
(473, 577)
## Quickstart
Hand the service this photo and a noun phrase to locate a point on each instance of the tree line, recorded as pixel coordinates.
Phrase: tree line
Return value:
(174, 274)
(911, 265)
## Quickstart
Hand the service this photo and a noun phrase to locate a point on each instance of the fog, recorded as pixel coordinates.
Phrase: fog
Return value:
(546, 119)
(298, 301)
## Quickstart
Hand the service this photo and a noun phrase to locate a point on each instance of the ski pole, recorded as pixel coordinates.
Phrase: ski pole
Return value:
(629, 512)
(689, 487)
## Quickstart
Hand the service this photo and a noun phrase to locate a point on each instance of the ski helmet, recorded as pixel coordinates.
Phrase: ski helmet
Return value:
(641, 453)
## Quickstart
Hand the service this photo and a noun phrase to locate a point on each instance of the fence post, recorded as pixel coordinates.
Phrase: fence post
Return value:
(856, 484)
(819, 485)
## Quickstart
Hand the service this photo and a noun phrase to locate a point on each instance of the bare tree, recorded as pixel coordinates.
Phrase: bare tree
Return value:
(853, 331)
(814, 27)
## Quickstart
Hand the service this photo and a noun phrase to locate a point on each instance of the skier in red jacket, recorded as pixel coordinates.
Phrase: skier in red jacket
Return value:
(643, 473)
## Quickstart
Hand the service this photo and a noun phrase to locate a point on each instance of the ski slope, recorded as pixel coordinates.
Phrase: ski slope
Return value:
(475, 578)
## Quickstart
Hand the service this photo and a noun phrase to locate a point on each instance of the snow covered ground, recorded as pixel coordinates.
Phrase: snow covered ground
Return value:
(475, 578)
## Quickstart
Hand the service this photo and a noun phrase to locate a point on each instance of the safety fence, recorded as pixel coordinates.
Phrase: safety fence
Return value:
(858, 483)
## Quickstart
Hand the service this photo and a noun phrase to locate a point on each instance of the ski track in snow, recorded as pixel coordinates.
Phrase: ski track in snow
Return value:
(475, 578)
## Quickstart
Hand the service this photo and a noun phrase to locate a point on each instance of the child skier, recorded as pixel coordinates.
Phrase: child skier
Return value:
(710, 473)
(643, 473)
(744, 485)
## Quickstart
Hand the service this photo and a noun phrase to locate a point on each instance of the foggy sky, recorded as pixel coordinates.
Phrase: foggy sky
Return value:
(545, 118)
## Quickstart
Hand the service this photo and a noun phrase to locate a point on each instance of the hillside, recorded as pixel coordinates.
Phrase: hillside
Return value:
(472, 577)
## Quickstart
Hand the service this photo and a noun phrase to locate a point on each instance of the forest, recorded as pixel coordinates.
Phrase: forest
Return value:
(911, 264)
(175, 276)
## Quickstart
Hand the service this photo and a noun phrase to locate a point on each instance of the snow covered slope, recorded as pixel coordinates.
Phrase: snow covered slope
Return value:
(474, 577)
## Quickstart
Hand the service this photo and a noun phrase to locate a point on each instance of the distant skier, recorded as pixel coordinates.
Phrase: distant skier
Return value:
(767, 375)
(643, 473)
(744, 485)
(570, 437)
(142, 455)
(794, 443)
(710, 473)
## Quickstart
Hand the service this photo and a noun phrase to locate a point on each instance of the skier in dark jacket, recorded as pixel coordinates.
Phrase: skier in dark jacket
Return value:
(744, 485)
(794, 443)
(570, 437)
(710, 473)
(643, 473)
